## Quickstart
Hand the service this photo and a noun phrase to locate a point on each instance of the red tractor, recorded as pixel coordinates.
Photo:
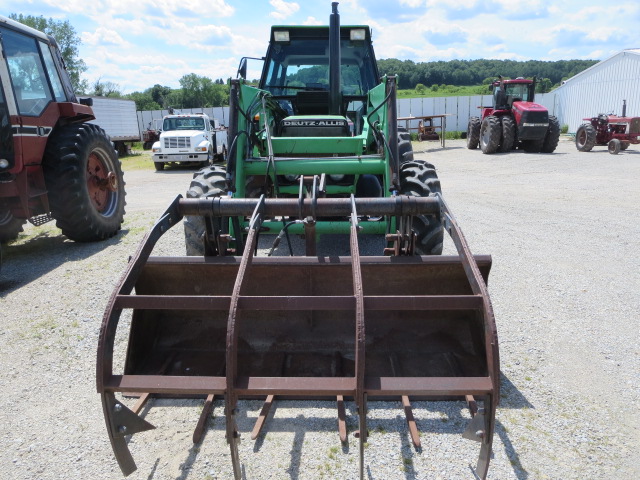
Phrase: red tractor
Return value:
(53, 165)
(611, 130)
(514, 121)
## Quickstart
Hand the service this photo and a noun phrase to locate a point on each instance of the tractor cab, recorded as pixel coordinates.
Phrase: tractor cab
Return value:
(506, 92)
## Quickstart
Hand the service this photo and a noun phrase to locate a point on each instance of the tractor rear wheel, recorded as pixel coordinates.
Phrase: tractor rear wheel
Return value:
(585, 137)
(490, 134)
(552, 137)
(207, 182)
(508, 134)
(473, 133)
(419, 179)
(10, 226)
(405, 149)
(84, 178)
(614, 146)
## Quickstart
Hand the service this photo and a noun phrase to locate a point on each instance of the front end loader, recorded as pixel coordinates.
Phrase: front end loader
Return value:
(314, 150)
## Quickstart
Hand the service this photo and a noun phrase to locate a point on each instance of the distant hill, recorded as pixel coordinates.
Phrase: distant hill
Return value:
(478, 72)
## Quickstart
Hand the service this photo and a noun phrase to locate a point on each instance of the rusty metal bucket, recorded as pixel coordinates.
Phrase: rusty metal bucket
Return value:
(344, 328)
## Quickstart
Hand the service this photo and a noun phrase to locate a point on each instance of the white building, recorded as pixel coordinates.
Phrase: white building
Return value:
(599, 89)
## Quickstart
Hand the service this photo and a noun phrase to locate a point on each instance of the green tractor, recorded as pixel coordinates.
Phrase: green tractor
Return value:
(320, 124)
(315, 149)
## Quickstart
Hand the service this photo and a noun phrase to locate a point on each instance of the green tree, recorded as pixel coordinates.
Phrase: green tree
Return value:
(105, 89)
(420, 89)
(68, 42)
(199, 91)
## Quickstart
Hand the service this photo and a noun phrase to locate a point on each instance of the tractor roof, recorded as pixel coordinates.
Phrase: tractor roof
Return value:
(300, 32)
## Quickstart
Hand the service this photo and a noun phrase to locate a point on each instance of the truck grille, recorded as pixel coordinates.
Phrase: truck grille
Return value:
(177, 142)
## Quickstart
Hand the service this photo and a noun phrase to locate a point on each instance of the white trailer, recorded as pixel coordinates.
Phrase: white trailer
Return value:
(119, 119)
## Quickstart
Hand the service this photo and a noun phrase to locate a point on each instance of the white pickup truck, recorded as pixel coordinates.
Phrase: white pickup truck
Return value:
(190, 138)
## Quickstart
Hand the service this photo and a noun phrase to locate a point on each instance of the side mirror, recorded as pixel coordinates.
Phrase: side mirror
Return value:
(242, 69)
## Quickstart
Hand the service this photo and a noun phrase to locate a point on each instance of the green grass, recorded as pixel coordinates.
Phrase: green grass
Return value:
(138, 160)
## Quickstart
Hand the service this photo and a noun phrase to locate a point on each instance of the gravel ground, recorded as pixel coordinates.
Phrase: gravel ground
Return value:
(563, 230)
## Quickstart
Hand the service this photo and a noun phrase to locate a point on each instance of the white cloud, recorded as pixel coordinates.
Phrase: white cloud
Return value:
(313, 21)
(283, 9)
(104, 36)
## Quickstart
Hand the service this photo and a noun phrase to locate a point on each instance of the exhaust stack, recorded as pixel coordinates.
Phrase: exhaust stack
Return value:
(335, 60)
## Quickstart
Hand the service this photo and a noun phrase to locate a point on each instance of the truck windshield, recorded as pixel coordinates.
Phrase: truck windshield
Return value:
(304, 65)
(187, 123)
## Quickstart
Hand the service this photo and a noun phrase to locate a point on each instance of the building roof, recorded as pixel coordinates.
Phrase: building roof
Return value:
(631, 51)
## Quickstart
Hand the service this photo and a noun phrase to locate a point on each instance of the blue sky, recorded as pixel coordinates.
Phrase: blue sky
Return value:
(139, 43)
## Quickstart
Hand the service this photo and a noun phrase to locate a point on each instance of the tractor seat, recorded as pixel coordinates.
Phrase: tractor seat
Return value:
(312, 102)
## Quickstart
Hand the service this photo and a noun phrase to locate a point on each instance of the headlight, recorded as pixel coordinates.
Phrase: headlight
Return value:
(157, 150)
(201, 149)
(4, 163)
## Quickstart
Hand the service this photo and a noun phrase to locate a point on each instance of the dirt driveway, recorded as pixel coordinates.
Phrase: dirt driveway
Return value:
(563, 230)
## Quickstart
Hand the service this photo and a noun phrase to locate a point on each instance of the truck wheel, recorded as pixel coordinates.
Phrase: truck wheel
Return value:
(207, 182)
(614, 146)
(508, 134)
(552, 137)
(159, 166)
(10, 226)
(84, 178)
(624, 145)
(490, 133)
(419, 179)
(405, 149)
(585, 137)
(473, 133)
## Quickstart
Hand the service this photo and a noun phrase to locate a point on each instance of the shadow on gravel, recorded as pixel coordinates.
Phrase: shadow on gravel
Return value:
(26, 261)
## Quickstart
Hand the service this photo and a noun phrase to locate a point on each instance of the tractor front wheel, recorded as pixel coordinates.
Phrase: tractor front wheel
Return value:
(508, 134)
(490, 134)
(419, 179)
(85, 182)
(405, 149)
(614, 146)
(473, 133)
(10, 226)
(552, 137)
(585, 137)
(208, 182)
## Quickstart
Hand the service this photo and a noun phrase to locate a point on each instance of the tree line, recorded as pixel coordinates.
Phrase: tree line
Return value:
(200, 91)
(480, 72)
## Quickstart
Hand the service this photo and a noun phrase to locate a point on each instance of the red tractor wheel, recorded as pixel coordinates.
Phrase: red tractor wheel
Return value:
(508, 134)
(10, 226)
(473, 133)
(614, 146)
(85, 183)
(585, 137)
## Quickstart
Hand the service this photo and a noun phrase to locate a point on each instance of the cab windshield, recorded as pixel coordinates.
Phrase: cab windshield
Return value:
(518, 91)
(304, 65)
(191, 123)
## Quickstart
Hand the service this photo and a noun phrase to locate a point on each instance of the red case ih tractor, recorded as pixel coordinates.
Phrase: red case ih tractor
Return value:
(514, 121)
(53, 165)
(611, 130)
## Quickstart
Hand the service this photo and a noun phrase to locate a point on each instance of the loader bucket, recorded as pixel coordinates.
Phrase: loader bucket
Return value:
(343, 328)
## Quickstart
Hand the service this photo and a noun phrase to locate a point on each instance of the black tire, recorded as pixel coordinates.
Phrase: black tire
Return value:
(585, 137)
(490, 134)
(624, 145)
(419, 179)
(147, 145)
(85, 182)
(508, 133)
(614, 146)
(405, 149)
(207, 182)
(159, 166)
(532, 146)
(473, 133)
(552, 137)
(10, 226)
